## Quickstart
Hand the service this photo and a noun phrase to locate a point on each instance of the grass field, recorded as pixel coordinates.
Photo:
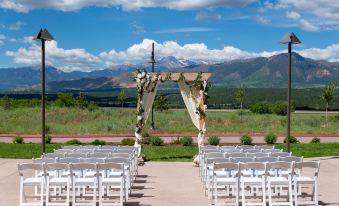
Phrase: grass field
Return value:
(116, 120)
(167, 153)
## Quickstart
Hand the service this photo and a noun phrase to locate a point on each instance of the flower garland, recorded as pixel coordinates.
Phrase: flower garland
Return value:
(145, 83)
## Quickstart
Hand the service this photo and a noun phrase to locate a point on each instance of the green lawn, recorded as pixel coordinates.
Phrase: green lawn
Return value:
(117, 120)
(167, 153)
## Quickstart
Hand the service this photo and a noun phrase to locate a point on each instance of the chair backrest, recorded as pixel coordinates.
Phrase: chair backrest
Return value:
(234, 155)
(103, 151)
(258, 154)
(125, 150)
(272, 150)
(43, 160)
(71, 147)
(286, 166)
(118, 160)
(83, 166)
(227, 147)
(291, 159)
(99, 155)
(56, 166)
(311, 164)
(83, 150)
(210, 147)
(108, 147)
(93, 160)
(264, 147)
(216, 160)
(29, 166)
(68, 160)
(228, 151)
(214, 155)
(266, 159)
(245, 147)
(110, 165)
(77, 155)
(252, 150)
(242, 159)
(280, 154)
(63, 151)
(228, 166)
(121, 155)
(253, 165)
(53, 155)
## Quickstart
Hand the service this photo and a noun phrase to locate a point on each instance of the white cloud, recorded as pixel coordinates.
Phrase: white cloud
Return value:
(292, 15)
(16, 26)
(2, 38)
(185, 30)
(263, 20)
(80, 59)
(72, 5)
(205, 16)
(137, 28)
(67, 60)
(308, 26)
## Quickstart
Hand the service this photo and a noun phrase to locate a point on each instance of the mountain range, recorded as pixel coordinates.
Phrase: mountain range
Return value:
(255, 72)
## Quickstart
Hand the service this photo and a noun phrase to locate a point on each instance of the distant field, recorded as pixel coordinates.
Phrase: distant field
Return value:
(116, 120)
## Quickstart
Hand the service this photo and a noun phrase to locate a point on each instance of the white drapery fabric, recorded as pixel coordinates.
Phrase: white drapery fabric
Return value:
(193, 99)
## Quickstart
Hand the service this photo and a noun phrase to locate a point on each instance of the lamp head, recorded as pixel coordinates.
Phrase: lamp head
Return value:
(290, 38)
(44, 35)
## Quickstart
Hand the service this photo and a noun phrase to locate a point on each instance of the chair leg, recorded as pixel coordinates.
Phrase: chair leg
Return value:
(290, 191)
(95, 194)
(42, 193)
(121, 193)
(67, 193)
(316, 192)
(296, 193)
(269, 186)
(21, 191)
(263, 192)
(243, 193)
(73, 194)
(47, 192)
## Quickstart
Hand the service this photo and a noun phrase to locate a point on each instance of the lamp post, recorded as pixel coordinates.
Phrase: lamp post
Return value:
(152, 61)
(44, 36)
(289, 39)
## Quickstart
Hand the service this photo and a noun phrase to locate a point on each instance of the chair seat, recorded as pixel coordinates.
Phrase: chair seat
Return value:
(226, 180)
(304, 180)
(33, 181)
(111, 181)
(58, 181)
(278, 180)
(85, 181)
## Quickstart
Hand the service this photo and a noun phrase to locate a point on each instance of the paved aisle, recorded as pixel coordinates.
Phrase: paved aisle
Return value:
(168, 184)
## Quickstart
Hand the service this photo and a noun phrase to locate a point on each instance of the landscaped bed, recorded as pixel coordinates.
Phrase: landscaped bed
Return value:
(167, 153)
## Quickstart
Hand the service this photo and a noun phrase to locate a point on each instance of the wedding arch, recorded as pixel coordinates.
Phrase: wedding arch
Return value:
(194, 91)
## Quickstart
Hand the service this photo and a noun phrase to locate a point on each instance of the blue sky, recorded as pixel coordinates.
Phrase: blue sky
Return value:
(103, 33)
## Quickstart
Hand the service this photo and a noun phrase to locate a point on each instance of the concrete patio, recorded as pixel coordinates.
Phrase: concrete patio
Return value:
(170, 184)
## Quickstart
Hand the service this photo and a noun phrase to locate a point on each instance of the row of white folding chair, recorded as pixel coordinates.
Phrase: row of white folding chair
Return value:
(265, 180)
(207, 175)
(101, 180)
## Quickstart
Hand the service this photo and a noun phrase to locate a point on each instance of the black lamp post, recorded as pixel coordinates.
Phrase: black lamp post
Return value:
(289, 39)
(152, 61)
(43, 35)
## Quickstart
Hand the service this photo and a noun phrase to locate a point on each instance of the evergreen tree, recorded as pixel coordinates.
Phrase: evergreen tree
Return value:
(161, 102)
(328, 95)
(122, 97)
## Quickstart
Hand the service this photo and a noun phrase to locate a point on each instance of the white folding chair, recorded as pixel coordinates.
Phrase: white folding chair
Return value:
(264, 147)
(252, 150)
(255, 181)
(281, 154)
(55, 182)
(89, 185)
(111, 184)
(76, 155)
(36, 182)
(266, 159)
(229, 183)
(235, 155)
(63, 151)
(258, 155)
(99, 155)
(281, 181)
(53, 155)
(302, 179)
(291, 159)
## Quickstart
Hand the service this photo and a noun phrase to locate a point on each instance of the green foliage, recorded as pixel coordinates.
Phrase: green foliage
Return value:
(240, 95)
(73, 142)
(122, 97)
(6, 102)
(186, 141)
(315, 140)
(161, 102)
(81, 101)
(213, 140)
(280, 108)
(64, 100)
(18, 140)
(328, 92)
(145, 140)
(99, 142)
(271, 138)
(292, 139)
(246, 140)
(127, 142)
(48, 139)
(92, 107)
(155, 141)
(261, 108)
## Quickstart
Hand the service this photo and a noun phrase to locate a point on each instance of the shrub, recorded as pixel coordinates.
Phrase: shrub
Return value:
(213, 140)
(186, 141)
(155, 141)
(271, 139)
(261, 108)
(73, 142)
(128, 142)
(279, 108)
(292, 139)
(48, 139)
(246, 140)
(315, 140)
(145, 140)
(18, 140)
(92, 107)
(99, 142)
